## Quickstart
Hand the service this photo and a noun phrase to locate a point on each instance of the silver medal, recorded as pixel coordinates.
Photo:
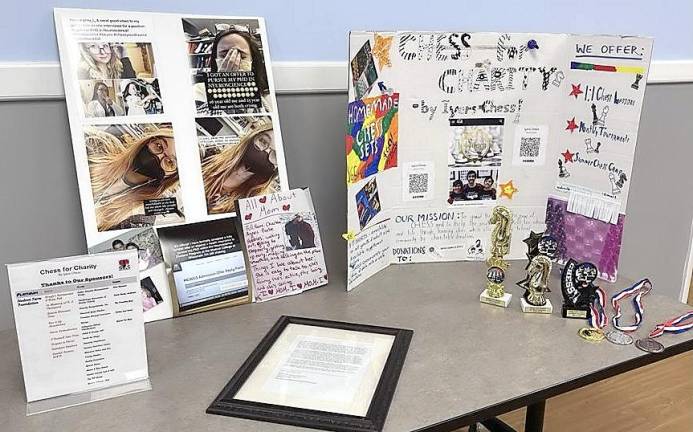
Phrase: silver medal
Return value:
(649, 345)
(618, 337)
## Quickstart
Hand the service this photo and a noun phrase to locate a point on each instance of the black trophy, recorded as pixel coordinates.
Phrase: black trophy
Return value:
(540, 244)
(579, 291)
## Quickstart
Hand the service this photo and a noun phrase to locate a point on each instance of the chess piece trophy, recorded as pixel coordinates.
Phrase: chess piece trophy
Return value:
(536, 285)
(494, 293)
(579, 291)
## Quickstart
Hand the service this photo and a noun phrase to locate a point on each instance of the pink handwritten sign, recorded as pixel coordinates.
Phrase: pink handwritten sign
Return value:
(283, 244)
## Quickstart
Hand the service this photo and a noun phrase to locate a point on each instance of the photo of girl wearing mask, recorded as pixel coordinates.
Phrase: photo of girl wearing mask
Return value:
(242, 170)
(235, 49)
(128, 166)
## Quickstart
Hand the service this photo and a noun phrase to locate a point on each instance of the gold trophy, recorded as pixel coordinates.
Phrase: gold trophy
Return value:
(494, 293)
(536, 285)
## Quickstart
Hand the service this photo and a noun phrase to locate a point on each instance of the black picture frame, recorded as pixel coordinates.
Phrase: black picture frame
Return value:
(225, 404)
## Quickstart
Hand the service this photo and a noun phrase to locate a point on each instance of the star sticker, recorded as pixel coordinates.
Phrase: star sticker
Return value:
(576, 90)
(381, 50)
(571, 125)
(507, 189)
(568, 156)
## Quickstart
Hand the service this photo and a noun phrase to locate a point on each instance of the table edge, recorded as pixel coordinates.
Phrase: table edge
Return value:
(549, 392)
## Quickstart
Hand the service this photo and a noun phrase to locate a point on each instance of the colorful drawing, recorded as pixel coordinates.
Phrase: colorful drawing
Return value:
(607, 68)
(371, 138)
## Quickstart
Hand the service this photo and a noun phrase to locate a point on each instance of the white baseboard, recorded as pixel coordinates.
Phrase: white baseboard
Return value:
(42, 80)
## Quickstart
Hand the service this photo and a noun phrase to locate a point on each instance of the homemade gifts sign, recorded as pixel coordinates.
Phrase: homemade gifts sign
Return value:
(283, 244)
(442, 127)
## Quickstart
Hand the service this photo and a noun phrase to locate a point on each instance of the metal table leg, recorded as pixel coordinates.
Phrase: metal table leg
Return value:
(534, 419)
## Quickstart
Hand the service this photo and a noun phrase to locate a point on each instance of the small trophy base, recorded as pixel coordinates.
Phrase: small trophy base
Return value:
(575, 312)
(496, 301)
(528, 308)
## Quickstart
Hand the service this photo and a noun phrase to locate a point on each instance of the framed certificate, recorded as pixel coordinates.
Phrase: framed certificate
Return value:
(320, 374)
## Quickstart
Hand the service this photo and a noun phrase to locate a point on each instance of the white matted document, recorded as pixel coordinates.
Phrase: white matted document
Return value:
(325, 369)
(80, 329)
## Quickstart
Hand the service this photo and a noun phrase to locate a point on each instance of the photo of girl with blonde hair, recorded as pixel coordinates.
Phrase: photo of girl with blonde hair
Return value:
(133, 166)
(245, 168)
(112, 61)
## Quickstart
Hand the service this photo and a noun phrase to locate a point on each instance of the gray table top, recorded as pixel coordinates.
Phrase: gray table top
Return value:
(464, 356)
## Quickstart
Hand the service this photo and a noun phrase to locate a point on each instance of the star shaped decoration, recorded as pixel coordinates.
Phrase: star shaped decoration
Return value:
(381, 50)
(571, 125)
(567, 156)
(532, 243)
(507, 189)
(576, 90)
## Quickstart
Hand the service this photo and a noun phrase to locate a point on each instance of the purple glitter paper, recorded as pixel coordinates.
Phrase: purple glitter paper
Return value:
(585, 239)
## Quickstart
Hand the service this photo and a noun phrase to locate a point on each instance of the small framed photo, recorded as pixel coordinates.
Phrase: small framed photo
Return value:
(319, 374)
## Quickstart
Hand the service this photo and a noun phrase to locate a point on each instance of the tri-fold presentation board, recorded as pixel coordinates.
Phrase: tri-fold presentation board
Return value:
(444, 126)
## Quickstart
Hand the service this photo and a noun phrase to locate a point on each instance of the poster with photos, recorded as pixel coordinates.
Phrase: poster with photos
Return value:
(444, 126)
(154, 287)
(172, 116)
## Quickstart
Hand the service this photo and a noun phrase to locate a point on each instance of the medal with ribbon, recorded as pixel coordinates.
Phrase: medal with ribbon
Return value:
(598, 317)
(640, 289)
(675, 325)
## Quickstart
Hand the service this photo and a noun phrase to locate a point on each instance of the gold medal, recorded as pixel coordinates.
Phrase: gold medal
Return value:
(591, 334)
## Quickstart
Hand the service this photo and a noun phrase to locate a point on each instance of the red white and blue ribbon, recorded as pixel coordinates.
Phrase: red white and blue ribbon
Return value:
(640, 289)
(675, 325)
(598, 317)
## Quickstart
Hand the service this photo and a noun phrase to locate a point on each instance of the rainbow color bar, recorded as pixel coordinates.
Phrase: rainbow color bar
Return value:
(607, 68)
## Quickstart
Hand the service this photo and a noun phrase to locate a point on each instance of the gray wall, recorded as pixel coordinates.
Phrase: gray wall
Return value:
(41, 212)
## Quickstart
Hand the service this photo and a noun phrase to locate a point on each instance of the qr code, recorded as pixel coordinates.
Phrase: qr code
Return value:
(529, 147)
(418, 183)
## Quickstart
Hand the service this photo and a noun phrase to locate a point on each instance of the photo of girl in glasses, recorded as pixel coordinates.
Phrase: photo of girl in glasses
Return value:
(239, 160)
(111, 61)
(229, 71)
(134, 175)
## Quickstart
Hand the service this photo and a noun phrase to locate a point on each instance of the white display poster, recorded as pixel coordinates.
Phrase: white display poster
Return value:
(444, 126)
(173, 117)
(79, 327)
(283, 244)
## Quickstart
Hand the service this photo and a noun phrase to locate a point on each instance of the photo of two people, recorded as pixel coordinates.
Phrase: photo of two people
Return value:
(113, 98)
(299, 232)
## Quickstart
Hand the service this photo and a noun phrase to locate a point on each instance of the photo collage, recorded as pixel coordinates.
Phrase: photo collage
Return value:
(235, 128)
(132, 161)
(474, 159)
